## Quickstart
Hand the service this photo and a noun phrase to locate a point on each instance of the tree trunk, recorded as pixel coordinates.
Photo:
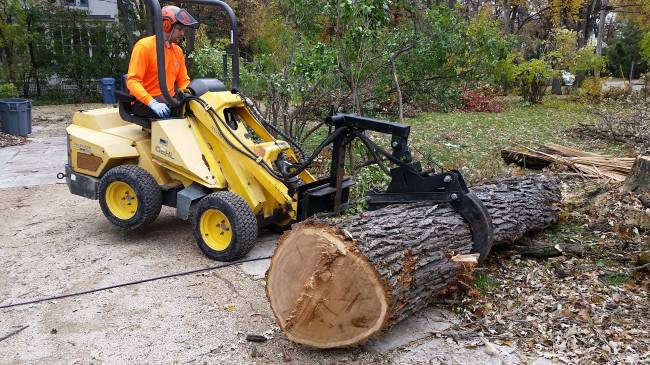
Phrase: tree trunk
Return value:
(638, 180)
(588, 22)
(505, 13)
(123, 10)
(393, 69)
(550, 251)
(580, 78)
(556, 86)
(601, 32)
(342, 281)
(400, 106)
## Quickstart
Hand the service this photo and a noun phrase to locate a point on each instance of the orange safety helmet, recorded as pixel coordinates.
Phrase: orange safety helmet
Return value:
(173, 14)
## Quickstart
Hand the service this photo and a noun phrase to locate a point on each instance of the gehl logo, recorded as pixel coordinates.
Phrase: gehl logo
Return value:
(162, 149)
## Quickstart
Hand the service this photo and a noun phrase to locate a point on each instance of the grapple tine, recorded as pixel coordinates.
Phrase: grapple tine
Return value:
(476, 214)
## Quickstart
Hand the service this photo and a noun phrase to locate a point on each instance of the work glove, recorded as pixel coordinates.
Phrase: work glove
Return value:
(161, 109)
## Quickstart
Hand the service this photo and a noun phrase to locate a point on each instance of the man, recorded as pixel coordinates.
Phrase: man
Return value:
(142, 80)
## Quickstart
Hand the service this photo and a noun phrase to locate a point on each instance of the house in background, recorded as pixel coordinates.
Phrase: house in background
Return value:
(99, 9)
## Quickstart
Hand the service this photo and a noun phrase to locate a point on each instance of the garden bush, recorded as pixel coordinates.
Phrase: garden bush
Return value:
(592, 89)
(8, 90)
(533, 77)
(481, 99)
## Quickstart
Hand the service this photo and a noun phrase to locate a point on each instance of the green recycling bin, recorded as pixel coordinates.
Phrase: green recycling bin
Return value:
(16, 116)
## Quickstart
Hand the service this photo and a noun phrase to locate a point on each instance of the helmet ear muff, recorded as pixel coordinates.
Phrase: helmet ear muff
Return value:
(167, 26)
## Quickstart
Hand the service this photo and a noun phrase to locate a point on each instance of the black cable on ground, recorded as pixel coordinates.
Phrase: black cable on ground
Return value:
(215, 267)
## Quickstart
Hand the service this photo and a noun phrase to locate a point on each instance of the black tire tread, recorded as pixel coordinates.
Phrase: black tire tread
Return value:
(243, 222)
(147, 191)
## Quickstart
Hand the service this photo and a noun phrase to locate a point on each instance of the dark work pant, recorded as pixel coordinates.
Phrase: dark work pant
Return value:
(142, 110)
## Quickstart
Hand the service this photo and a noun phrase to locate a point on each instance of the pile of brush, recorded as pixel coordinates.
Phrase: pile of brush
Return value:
(579, 162)
(7, 140)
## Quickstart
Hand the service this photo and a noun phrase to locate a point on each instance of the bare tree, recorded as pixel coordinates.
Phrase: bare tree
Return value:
(601, 31)
(123, 12)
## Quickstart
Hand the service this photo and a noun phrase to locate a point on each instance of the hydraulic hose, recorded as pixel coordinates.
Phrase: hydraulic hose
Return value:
(250, 154)
(258, 114)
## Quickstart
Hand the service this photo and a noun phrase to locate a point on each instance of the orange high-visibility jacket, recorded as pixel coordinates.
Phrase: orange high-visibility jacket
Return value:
(142, 81)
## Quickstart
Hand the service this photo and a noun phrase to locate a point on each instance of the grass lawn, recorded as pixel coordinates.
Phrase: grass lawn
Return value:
(473, 141)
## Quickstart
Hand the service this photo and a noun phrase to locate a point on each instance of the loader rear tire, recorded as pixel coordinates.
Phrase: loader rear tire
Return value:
(225, 227)
(129, 197)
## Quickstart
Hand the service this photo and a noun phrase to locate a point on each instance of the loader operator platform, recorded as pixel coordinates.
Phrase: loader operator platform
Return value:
(142, 80)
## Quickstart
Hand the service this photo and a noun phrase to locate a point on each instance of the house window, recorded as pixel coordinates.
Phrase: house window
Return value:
(83, 3)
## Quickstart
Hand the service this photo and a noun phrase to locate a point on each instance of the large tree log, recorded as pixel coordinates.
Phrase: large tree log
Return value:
(340, 282)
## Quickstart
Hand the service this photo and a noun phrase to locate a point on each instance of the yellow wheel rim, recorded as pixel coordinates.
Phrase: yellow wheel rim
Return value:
(215, 229)
(121, 200)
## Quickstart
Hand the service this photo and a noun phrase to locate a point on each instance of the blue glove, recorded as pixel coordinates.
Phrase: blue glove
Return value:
(161, 109)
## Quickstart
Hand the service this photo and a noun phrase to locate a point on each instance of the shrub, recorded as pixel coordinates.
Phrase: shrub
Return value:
(366, 179)
(57, 95)
(8, 90)
(592, 89)
(505, 72)
(480, 100)
(533, 77)
(207, 62)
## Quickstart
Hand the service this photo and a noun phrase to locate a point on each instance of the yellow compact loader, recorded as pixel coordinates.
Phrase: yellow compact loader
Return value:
(217, 161)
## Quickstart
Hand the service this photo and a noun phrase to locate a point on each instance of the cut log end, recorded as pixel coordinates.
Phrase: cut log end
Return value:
(323, 292)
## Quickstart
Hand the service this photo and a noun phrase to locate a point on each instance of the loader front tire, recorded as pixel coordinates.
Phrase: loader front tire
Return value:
(129, 197)
(225, 227)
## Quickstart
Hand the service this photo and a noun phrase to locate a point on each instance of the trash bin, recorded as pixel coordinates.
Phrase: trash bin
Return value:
(16, 116)
(108, 90)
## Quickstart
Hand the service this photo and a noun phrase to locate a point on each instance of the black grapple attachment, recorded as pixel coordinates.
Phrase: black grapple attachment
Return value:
(409, 183)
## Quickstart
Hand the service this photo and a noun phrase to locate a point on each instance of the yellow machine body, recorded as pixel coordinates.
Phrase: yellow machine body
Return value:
(185, 151)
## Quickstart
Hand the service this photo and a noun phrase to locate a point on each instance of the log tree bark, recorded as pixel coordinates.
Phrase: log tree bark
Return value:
(638, 180)
(340, 282)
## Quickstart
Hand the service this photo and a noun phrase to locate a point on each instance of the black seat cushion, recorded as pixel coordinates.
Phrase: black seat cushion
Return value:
(199, 87)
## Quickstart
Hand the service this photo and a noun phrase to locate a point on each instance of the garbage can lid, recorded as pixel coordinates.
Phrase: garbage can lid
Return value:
(108, 80)
(15, 101)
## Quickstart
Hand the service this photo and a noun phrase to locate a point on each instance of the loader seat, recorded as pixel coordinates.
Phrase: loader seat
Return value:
(124, 101)
(199, 87)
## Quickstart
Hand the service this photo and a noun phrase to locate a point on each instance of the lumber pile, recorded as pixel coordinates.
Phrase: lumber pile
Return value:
(338, 282)
(583, 163)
